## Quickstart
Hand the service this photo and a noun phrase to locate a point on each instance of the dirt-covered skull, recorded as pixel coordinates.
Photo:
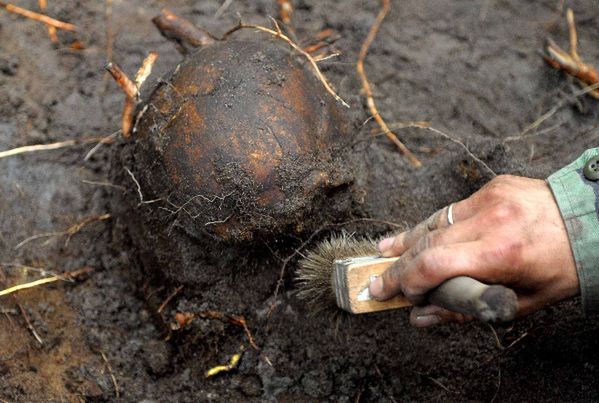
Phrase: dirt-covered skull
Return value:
(243, 140)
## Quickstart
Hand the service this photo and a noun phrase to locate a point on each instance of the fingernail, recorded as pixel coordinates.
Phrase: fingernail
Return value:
(426, 320)
(385, 245)
(376, 287)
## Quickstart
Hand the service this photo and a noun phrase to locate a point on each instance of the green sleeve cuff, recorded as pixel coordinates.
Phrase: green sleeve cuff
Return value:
(578, 201)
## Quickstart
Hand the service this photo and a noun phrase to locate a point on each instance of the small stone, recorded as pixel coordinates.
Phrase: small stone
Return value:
(317, 384)
(251, 386)
(157, 357)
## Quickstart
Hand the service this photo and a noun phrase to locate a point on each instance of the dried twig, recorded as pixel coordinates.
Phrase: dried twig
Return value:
(11, 8)
(368, 90)
(107, 184)
(51, 30)
(323, 39)
(285, 38)
(38, 147)
(138, 186)
(571, 62)
(75, 228)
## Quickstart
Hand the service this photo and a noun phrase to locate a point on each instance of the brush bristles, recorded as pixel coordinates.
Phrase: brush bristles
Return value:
(314, 272)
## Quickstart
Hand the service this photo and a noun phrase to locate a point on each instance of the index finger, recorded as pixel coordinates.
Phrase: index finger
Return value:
(397, 245)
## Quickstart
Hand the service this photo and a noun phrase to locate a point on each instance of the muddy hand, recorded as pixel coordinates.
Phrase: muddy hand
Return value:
(510, 232)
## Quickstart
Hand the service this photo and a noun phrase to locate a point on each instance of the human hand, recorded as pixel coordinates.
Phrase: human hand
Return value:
(510, 232)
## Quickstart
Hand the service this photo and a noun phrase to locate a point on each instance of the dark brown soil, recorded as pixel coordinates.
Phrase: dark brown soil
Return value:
(470, 67)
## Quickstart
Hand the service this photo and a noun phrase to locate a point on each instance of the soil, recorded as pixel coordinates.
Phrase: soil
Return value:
(471, 68)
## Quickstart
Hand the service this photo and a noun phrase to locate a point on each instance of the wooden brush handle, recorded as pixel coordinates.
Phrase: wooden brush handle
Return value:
(489, 303)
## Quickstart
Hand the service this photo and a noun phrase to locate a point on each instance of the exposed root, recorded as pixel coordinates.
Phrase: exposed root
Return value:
(240, 320)
(38, 17)
(426, 126)
(74, 229)
(69, 232)
(323, 39)
(139, 192)
(117, 391)
(534, 125)
(169, 298)
(284, 268)
(435, 381)
(22, 311)
(183, 319)
(65, 276)
(107, 184)
(45, 147)
(28, 321)
(181, 31)
(221, 10)
(280, 35)
(231, 365)
(131, 89)
(122, 80)
(571, 62)
(51, 30)
(324, 56)
(109, 33)
(234, 319)
(368, 90)
(106, 140)
(145, 70)
(285, 11)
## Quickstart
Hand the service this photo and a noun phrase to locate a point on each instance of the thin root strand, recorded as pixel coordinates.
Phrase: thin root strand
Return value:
(11, 8)
(368, 90)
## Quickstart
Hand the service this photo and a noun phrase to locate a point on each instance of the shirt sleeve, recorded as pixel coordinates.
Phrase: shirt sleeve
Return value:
(578, 200)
